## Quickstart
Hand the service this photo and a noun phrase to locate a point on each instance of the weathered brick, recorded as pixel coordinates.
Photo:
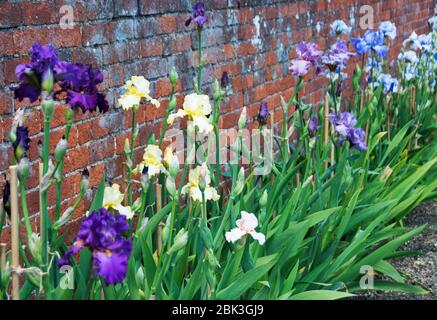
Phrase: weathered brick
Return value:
(124, 8)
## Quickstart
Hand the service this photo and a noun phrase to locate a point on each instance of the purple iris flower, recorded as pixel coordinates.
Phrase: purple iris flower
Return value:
(103, 234)
(309, 51)
(299, 68)
(198, 15)
(313, 124)
(307, 55)
(344, 124)
(263, 113)
(337, 56)
(356, 138)
(31, 75)
(80, 82)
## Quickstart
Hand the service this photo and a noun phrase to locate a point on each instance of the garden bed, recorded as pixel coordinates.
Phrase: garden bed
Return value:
(318, 218)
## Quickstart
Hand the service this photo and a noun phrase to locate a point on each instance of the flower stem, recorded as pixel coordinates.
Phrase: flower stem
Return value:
(24, 208)
(164, 129)
(59, 182)
(44, 204)
(199, 74)
(131, 155)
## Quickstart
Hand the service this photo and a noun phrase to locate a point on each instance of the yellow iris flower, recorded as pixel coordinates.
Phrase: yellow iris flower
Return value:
(196, 107)
(192, 187)
(136, 88)
(152, 159)
(113, 198)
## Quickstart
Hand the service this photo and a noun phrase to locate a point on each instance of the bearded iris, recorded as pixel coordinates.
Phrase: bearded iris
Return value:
(198, 15)
(137, 88)
(103, 234)
(389, 84)
(299, 67)
(113, 198)
(31, 75)
(152, 159)
(77, 82)
(80, 83)
(372, 40)
(197, 108)
(308, 51)
(337, 56)
(388, 29)
(245, 227)
(200, 177)
(339, 26)
(344, 124)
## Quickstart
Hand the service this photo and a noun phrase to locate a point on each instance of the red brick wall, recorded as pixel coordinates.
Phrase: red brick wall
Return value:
(252, 40)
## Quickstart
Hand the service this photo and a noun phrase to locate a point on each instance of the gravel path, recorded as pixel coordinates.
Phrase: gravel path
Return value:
(418, 270)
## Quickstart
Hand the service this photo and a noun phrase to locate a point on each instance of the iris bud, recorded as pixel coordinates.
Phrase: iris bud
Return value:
(170, 185)
(312, 142)
(180, 241)
(65, 218)
(239, 184)
(40, 148)
(47, 81)
(166, 229)
(60, 150)
(69, 115)
(218, 93)
(284, 105)
(23, 168)
(172, 104)
(48, 107)
(12, 136)
(243, 119)
(224, 81)
(202, 177)
(174, 77)
(84, 183)
(126, 146)
(35, 246)
(145, 177)
(263, 199)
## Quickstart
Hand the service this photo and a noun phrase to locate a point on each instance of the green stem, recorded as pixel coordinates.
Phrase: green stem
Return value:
(25, 210)
(2, 221)
(164, 129)
(44, 204)
(172, 220)
(59, 183)
(199, 74)
(131, 155)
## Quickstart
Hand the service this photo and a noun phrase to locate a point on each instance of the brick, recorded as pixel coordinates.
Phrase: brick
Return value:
(11, 15)
(181, 43)
(38, 13)
(124, 8)
(167, 24)
(95, 34)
